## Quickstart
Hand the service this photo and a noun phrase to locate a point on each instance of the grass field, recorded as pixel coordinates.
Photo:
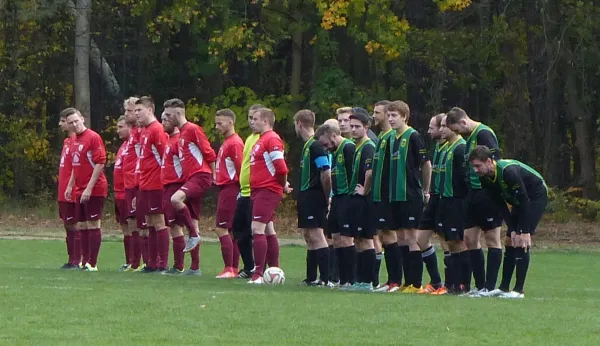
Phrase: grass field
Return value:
(40, 304)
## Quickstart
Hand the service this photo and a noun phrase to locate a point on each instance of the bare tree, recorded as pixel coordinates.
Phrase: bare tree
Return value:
(83, 9)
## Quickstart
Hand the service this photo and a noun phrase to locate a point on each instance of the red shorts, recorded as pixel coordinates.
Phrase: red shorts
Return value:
(150, 202)
(196, 186)
(121, 211)
(167, 206)
(140, 217)
(67, 211)
(264, 203)
(226, 205)
(130, 201)
(90, 211)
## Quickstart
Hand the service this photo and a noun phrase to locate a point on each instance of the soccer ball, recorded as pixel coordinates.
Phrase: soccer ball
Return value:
(274, 276)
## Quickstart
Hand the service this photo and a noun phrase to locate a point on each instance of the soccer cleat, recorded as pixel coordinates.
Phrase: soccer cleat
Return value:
(173, 271)
(161, 270)
(139, 269)
(473, 292)
(306, 283)
(89, 268)
(513, 295)
(256, 280)
(193, 272)
(124, 267)
(394, 287)
(483, 293)
(191, 243)
(440, 291)
(334, 284)
(244, 274)
(85, 266)
(496, 293)
(66, 266)
(130, 269)
(364, 287)
(227, 273)
(382, 289)
(427, 289)
(74, 267)
(147, 270)
(410, 289)
(346, 287)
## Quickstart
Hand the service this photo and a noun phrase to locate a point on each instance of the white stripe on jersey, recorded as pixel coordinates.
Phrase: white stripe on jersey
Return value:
(269, 163)
(230, 168)
(196, 153)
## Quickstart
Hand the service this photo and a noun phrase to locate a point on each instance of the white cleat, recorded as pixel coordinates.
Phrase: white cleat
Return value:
(512, 295)
(191, 243)
(382, 289)
(257, 281)
(473, 292)
(496, 293)
(481, 293)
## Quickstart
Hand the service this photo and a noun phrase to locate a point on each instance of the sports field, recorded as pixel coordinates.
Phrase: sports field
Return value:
(42, 305)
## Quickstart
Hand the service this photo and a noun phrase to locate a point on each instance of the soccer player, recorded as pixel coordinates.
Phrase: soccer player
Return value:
(381, 199)
(343, 118)
(229, 162)
(410, 178)
(427, 225)
(121, 210)
(519, 185)
(482, 212)
(153, 141)
(334, 277)
(197, 160)
(315, 188)
(450, 221)
(66, 207)
(338, 225)
(88, 185)
(268, 181)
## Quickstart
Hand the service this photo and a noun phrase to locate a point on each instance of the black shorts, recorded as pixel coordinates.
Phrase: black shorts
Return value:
(312, 209)
(429, 217)
(482, 211)
(338, 222)
(406, 215)
(382, 215)
(529, 224)
(360, 212)
(451, 221)
(242, 219)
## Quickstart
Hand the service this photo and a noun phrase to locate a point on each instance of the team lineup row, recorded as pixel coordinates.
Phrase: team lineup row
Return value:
(368, 194)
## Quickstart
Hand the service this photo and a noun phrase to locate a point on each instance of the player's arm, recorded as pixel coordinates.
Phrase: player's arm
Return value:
(69, 190)
(274, 148)
(160, 140)
(99, 160)
(321, 161)
(488, 139)
(348, 152)
(420, 151)
(514, 181)
(368, 152)
(237, 155)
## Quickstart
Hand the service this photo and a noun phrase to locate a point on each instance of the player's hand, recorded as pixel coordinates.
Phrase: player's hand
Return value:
(85, 196)
(359, 190)
(515, 239)
(214, 179)
(68, 194)
(288, 188)
(426, 197)
(526, 240)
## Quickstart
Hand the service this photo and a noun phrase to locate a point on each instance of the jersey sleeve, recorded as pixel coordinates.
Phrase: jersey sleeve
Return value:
(274, 148)
(236, 153)
(160, 141)
(367, 157)
(418, 147)
(204, 145)
(319, 156)
(98, 151)
(488, 139)
(458, 162)
(348, 152)
(516, 186)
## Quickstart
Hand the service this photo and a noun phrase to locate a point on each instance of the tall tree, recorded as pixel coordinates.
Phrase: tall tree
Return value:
(81, 83)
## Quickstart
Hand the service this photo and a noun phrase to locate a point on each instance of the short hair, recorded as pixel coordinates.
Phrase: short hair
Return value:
(226, 112)
(327, 129)
(343, 110)
(382, 103)
(145, 101)
(122, 118)
(401, 107)
(438, 119)
(455, 115)
(68, 111)
(266, 113)
(174, 103)
(255, 107)
(306, 117)
(480, 152)
(130, 101)
(333, 123)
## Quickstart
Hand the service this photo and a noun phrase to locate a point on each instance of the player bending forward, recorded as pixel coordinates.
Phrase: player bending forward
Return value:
(121, 210)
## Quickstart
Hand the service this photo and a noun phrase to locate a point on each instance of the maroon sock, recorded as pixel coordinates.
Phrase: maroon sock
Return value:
(85, 246)
(178, 254)
(152, 248)
(135, 250)
(126, 247)
(95, 240)
(163, 239)
(260, 253)
(272, 251)
(69, 247)
(195, 258)
(186, 219)
(144, 249)
(236, 253)
(226, 250)
(76, 247)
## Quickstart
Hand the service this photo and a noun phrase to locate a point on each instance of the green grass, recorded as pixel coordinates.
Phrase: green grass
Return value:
(40, 304)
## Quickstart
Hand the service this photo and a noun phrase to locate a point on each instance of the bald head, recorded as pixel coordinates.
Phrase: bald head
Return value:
(332, 123)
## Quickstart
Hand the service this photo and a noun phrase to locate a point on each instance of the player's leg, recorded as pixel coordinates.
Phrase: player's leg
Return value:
(311, 210)
(68, 213)
(430, 261)
(158, 248)
(178, 238)
(366, 232)
(224, 221)
(194, 269)
(80, 213)
(272, 245)
(378, 258)
(242, 233)
(266, 245)
(493, 241)
(93, 213)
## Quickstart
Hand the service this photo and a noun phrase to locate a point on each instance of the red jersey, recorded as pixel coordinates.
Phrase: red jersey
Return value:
(195, 152)
(65, 168)
(171, 171)
(130, 158)
(118, 174)
(153, 140)
(229, 160)
(88, 151)
(266, 161)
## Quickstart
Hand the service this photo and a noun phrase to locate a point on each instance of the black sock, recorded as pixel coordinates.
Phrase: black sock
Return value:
(494, 259)
(323, 263)
(464, 276)
(478, 266)
(447, 275)
(311, 265)
(391, 262)
(377, 268)
(455, 268)
(430, 260)
(508, 268)
(369, 259)
(341, 265)
(360, 267)
(416, 268)
(246, 252)
(350, 266)
(522, 262)
(404, 264)
(333, 270)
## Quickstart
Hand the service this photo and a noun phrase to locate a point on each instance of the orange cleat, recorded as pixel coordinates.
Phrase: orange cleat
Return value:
(440, 291)
(427, 289)
(227, 273)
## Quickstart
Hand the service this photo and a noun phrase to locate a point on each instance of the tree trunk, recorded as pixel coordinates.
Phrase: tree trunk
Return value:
(296, 78)
(81, 83)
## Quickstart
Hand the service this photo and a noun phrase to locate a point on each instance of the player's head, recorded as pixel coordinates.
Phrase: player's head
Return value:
(398, 114)
(168, 124)
(332, 123)
(304, 120)
(329, 136)
(379, 113)
(224, 121)
(251, 110)
(446, 133)
(122, 127)
(434, 126)
(343, 117)
(62, 123)
(129, 107)
(263, 120)
(174, 111)
(359, 124)
(482, 161)
(75, 120)
(144, 110)
(458, 121)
